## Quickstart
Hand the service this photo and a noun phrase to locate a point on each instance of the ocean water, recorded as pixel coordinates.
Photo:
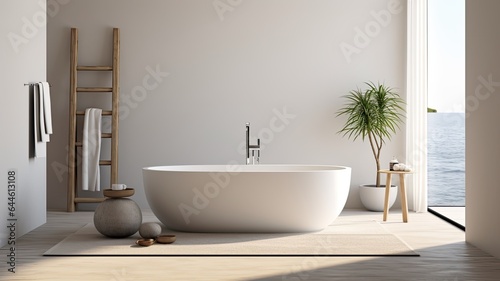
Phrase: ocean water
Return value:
(446, 159)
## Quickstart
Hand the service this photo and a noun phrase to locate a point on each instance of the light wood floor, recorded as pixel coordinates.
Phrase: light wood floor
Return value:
(444, 256)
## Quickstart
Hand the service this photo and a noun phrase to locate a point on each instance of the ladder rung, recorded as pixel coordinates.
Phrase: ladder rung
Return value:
(94, 89)
(104, 112)
(93, 68)
(103, 135)
(105, 162)
(88, 200)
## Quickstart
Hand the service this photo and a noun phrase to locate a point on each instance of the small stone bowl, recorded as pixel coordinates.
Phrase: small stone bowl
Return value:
(166, 239)
(145, 242)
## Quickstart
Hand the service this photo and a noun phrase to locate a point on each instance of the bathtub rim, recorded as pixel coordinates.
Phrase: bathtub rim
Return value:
(260, 168)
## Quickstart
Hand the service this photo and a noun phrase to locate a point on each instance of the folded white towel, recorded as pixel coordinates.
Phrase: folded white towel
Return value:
(91, 149)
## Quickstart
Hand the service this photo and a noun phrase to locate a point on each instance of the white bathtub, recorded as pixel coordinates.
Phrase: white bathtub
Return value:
(247, 198)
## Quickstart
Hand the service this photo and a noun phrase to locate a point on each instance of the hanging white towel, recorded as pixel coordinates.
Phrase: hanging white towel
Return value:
(47, 110)
(39, 147)
(91, 149)
(44, 111)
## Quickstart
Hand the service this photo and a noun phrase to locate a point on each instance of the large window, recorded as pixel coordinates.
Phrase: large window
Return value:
(446, 94)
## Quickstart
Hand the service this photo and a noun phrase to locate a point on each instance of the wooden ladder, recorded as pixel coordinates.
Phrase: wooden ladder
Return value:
(73, 198)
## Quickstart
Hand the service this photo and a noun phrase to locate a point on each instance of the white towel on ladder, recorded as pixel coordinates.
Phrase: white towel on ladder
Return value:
(91, 149)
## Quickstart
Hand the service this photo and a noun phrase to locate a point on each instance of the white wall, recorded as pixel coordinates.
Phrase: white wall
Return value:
(226, 68)
(482, 130)
(23, 60)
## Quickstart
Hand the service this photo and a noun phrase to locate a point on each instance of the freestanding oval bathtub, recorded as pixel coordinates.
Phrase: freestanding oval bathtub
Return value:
(247, 198)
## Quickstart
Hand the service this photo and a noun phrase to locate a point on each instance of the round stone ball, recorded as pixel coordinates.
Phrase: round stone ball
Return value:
(117, 217)
(150, 230)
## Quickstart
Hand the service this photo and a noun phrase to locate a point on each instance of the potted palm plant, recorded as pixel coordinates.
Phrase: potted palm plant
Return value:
(374, 114)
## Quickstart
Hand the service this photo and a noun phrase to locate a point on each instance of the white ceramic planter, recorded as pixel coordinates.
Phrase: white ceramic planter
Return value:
(373, 197)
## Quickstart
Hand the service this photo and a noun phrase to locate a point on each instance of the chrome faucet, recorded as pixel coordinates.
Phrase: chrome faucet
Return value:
(251, 148)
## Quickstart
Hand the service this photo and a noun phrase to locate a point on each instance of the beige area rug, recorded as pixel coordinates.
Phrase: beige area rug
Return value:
(339, 239)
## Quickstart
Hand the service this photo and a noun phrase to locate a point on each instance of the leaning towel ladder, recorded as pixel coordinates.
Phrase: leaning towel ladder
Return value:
(74, 145)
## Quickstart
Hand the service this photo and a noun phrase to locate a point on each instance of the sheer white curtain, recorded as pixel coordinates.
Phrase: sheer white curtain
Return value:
(416, 91)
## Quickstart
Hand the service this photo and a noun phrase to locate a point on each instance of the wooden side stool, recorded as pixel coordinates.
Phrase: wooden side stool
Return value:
(402, 190)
